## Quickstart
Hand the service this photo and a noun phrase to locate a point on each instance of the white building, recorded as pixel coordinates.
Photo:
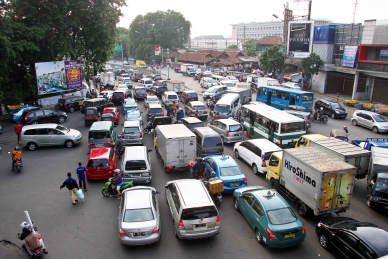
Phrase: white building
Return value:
(257, 30)
(216, 42)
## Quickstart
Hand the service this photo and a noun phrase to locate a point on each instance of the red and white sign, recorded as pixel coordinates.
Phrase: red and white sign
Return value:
(157, 50)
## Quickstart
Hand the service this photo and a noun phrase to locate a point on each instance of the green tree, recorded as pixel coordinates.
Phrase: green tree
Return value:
(167, 29)
(272, 58)
(250, 47)
(311, 65)
(232, 47)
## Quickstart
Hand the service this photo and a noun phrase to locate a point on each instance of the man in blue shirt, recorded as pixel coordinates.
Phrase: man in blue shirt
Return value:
(81, 172)
(180, 114)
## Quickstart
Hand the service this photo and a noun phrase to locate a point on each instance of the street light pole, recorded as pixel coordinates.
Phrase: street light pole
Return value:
(168, 67)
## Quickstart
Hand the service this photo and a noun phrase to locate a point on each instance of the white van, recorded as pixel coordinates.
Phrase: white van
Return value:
(136, 164)
(228, 105)
(291, 85)
(147, 83)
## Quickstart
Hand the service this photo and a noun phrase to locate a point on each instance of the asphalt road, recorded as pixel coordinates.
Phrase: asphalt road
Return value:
(89, 230)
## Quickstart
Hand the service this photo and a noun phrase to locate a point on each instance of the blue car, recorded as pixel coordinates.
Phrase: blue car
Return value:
(16, 116)
(226, 169)
(129, 104)
(134, 115)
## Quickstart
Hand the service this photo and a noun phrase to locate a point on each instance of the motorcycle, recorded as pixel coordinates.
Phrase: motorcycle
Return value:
(321, 118)
(148, 128)
(216, 196)
(107, 189)
(18, 164)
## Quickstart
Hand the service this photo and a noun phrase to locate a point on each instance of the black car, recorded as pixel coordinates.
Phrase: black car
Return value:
(158, 90)
(349, 238)
(154, 111)
(70, 103)
(188, 96)
(155, 77)
(330, 108)
(42, 116)
(119, 95)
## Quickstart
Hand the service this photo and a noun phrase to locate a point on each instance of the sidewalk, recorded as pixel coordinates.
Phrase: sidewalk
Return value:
(10, 250)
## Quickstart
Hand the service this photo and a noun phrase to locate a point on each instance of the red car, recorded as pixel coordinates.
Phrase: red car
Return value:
(115, 112)
(101, 163)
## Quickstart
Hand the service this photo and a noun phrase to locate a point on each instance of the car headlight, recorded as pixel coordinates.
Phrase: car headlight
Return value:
(375, 198)
(336, 111)
(276, 141)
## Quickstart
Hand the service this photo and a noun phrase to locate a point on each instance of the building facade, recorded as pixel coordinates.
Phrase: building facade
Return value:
(257, 30)
(210, 42)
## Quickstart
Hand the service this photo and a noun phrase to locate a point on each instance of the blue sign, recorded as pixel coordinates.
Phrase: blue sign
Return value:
(324, 34)
(384, 52)
(349, 56)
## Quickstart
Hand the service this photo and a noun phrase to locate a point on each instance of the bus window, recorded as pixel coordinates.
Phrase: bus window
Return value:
(285, 96)
(307, 97)
(245, 113)
(292, 127)
(261, 92)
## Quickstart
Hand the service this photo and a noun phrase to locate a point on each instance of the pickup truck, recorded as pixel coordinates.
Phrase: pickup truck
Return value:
(371, 142)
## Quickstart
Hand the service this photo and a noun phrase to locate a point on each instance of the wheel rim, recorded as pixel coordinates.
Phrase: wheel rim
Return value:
(368, 201)
(332, 115)
(258, 236)
(323, 240)
(71, 109)
(301, 209)
(61, 120)
(236, 154)
(32, 146)
(105, 193)
(375, 130)
(235, 204)
(69, 144)
(255, 171)
(354, 122)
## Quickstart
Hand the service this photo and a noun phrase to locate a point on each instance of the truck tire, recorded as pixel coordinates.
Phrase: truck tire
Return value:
(275, 184)
(301, 208)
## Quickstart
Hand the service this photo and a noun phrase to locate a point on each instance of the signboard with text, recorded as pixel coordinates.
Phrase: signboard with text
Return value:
(349, 56)
(157, 50)
(300, 34)
(384, 52)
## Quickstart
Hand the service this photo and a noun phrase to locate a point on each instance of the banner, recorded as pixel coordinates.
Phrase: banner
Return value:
(384, 52)
(157, 50)
(324, 34)
(58, 76)
(349, 56)
(300, 34)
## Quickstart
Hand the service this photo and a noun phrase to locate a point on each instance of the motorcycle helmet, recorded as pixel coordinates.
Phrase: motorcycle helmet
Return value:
(117, 171)
(27, 229)
(199, 159)
(181, 109)
(17, 147)
(119, 136)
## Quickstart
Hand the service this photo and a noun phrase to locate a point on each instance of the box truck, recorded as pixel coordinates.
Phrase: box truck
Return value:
(315, 180)
(188, 69)
(141, 64)
(176, 86)
(175, 146)
(377, 180)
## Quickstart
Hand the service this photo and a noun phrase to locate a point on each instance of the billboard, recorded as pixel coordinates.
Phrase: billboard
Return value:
(349, 56)
(384, 52)
(300, 34)
(58, 76)
(324, 34)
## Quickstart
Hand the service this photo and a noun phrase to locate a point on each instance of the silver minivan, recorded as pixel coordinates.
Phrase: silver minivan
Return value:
(132, 133)
(229, 130)
(192, 209)
(136, 164)
(370, 120)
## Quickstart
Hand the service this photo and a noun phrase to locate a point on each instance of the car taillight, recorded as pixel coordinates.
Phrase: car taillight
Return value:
(150, 115)
(181, 225)
(227, 133)
(141, 134)
(271, 235)
(205, 151)
(156, 230)
(149, 172)
(304, 229)
(187, 98)
(141, 121)
(218, 220)
(191, 165)
(169, 167)
(91, 144)
(245, 180)
(263, 163)
(161, 114)
(64, 103)
(113, 96)
(108, 144)
(26, 118)
(123, 97)
(122, 233)
(122, 135)
(281, 142)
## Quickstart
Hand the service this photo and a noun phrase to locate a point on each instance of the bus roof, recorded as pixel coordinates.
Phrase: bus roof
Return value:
(272, 113)
(286, 89)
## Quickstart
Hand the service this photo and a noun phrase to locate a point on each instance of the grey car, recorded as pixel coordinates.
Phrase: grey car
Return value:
(229, 130)
(370, 120)
(192, 107)
(139, 216)
(132, 133)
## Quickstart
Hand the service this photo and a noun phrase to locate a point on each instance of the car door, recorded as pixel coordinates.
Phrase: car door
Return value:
(368, 121)
(245, 202)
(255, 216)
(56, 137)
(248, 152)
(50, 116)
(42, 137)
(343, 245)
(37, 116)
(213, 125)
(210, 166)
(255, 156)
(243, 150)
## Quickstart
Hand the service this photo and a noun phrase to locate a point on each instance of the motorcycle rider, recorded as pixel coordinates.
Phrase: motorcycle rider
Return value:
(199, 169)
(217, 117)
(170, 110)
(174, 106)
(119, 145)
(25, 234)
(16, 156)
(117, 181)
(31, 240)
(180, 114)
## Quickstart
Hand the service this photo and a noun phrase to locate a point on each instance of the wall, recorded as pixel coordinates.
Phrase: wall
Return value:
(368, 32)
(319, 81)
(324, 51)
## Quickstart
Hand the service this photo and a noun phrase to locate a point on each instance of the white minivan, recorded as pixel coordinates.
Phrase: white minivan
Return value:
(228, 105)
(147, 83)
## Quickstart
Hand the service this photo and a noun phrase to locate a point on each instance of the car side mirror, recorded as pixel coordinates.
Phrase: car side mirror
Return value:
(166, 187)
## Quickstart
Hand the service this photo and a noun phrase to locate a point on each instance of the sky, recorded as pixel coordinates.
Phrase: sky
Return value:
(214, 17)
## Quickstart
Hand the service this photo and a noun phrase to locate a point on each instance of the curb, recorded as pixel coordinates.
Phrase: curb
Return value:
(11, 250)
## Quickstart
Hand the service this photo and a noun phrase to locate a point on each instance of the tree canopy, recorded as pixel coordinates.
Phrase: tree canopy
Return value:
(272, 59)
(232, 47)
(250, 47)
(167, 29)
(43, 31)
(311, 65)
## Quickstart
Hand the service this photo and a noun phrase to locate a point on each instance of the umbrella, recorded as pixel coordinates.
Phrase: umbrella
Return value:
(257, 71)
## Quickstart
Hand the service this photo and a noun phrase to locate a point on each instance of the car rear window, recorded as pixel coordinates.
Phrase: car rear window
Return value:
(99, 134)
(155, 110)
(140, 91)
(147, 82)
(235, 128)
(196, 125)
(115, 94)
(157, 77)
(131, 130)
(132, 165)
(172, 97)
(212, 142)
(230, 171)
(162, 89)
(199, 107)
(191, 95)
(281, 216)
(93, 163)
(199, 213)
(138, 215)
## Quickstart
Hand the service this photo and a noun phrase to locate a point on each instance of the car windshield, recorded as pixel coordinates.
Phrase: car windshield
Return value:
(222, 78)
(118, 94)
(281, 216)
(292, 127)
(199, 107)
(379, 118)
(134, 165)
(381, 185)
(229, 84)
(131, 130)
(93, 163)
(196, 125)
(234, 128)
(140, 91)
(139, 215)
(230, 171)
(210, 80)
(199, 213)
(172, 97)
(62, 128)
(336, 106)
(152, 99)
(223, 108)
(212, 90)
(192, 95)
(212, 142)
(155, 110)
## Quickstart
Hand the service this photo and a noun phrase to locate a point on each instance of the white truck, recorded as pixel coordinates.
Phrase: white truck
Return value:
(313, 179)
(356, 156)
(188, 69)
(266, 81)
(108, 79)
(378, 172)
(176, 147)
(176, 86)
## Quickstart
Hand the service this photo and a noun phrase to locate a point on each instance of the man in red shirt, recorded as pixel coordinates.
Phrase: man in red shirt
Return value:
(18, 129)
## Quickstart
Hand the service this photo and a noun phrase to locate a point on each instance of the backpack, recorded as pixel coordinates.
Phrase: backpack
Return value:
(16, 155)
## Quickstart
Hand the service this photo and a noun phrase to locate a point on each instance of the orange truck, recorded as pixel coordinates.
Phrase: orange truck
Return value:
(316, 181)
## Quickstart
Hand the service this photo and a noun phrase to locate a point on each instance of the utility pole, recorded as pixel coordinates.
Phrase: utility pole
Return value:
(309, 15)
(354, 11)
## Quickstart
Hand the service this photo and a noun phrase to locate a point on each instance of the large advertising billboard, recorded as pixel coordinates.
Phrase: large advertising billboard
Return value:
(300, 34)
(324, 34)
(58, 76)
(349, 57)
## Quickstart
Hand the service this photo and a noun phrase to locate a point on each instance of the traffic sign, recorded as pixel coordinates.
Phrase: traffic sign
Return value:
(157, 50)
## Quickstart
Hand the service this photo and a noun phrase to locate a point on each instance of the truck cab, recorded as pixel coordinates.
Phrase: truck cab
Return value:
(274, 167)
(305, 140)
(371, 142)
(377, 181)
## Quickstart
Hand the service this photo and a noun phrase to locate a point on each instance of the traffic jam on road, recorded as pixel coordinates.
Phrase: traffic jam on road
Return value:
(214, 142)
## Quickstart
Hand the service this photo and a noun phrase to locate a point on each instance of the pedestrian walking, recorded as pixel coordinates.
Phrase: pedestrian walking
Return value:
(81, 173)
(18, 129)
(72, 186)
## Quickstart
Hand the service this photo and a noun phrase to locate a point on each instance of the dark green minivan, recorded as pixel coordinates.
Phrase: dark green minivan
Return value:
(99, 103)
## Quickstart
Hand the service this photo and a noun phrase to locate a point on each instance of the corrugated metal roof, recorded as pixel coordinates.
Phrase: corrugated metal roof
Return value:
(343, 147)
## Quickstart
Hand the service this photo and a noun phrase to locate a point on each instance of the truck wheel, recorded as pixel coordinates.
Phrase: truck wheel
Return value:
(302, 208)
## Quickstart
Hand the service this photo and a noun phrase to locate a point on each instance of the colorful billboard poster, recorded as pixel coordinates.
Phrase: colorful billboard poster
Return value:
(300, 34)
(53, 77)
(324, 34)
(349, 56)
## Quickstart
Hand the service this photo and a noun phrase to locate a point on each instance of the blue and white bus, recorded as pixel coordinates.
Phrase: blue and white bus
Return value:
(280, 97)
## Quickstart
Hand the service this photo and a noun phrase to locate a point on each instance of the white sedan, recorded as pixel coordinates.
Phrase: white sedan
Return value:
(151, 99)
(233, 79)
(106, 94)
(122, 86)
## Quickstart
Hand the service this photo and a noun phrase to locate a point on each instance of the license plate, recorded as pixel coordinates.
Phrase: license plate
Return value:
(233, 184)
(135, 175)
(237, 134)
(291, 235)
(131, 137)
(99, 145)
(98, 171)
(141, 234)
(200, 225)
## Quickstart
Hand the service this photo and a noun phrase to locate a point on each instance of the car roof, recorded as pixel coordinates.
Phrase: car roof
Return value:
(270, 199)
(137, 198)
(188, 189)
(189, 91)
(191, 119)
(197, 103)
(133, 112)
(131, 123)
(40, 126)
(228, 121)
(99, 152)
(265, 144)
(170, 93)
(367, 112)
(120, 90)
(223, 160)
(297, 112)
(152, 96)
(155, 105)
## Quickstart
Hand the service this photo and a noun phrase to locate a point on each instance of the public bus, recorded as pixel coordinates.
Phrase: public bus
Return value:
(280, 97)
(280, 127)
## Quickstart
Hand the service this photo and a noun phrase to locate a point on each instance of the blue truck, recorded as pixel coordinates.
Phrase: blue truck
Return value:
(371, 142)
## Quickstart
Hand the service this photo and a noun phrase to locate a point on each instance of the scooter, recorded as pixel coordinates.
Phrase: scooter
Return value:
(18, 164)
(321, 118)
(148, 128)
(216, 197)
(107, 189)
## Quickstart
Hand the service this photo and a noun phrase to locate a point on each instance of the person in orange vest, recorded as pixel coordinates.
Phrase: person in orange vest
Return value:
(18, 129)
